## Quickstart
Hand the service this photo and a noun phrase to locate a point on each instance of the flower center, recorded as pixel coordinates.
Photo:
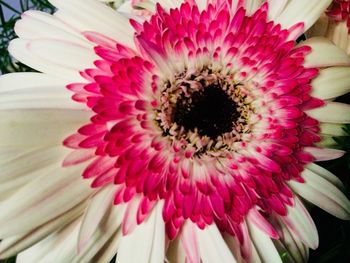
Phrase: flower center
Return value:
(209, 111)
(205, 110)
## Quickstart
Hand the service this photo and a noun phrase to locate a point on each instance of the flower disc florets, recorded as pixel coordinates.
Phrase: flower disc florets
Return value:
(205, 109)
(207, 116)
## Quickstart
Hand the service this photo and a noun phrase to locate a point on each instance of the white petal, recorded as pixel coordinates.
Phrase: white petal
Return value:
(212, 246)
(302, 11)
(263, 245)
(78, 13)
(275, 8)
(332, 112)
(108, 230)
(52, 193)
(202, 4)
(176, 252)
(12, 245)
(34, 253)
(29, 161)
(189, 242)
(64, 53)
(43, 127)
(331, 82)
(142, 240)
(33, 91)
(60, 247)
(324, 53)
(301, 224)
(158, 247)
(322, 193)
(19, 49)
(327, 141)
(338, 33)
(235, 247)
(24, 168)
(50, 97)
(97, 208)
(256, 258)
(38, 25)
(290, 243)
(28, 80)
(252, 5)
(110, 248)
(320, 27)
(324, 154)
(325, 174)
(333, 129)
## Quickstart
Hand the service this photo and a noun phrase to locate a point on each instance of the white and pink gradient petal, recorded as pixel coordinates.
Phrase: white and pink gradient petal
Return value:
(324, 53)
(306, 12)
(264, 248)
(98, 207)
(78, 13)
(40, 25)
(323, 193)
(150, 251)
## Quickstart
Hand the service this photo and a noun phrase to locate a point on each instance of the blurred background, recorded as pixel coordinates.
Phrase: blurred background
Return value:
(334, 233)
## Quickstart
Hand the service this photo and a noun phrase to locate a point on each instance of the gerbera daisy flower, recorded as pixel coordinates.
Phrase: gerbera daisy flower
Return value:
(187, 132)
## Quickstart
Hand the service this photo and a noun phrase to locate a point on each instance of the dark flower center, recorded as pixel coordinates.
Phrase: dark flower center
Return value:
(210, 110)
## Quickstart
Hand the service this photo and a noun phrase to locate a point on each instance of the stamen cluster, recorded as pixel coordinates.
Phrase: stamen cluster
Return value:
(206, 109)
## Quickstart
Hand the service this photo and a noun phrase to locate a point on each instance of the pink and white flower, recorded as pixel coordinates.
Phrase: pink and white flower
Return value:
(190, 135)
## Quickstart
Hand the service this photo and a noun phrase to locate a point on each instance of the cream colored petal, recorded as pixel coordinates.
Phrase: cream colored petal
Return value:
(333, 129)
(320, 27)
(275, 8)
(302, 11)
(322, 193)
(39, 25)
(175, 252)
(338, 33)
(19, 49)
(332, 112)
(63, 53)
(28, 80)
(58, 247)
(300, 223)
(98, 206)
(109, 230)
(212, 246)
(13, 245)
(78, 14)
(331, 83)
(52, 193)
(263, 244)
(252, 5)
(324, 53)
(290, 243)
(38, 128)
(325, 174)
(142, 240)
